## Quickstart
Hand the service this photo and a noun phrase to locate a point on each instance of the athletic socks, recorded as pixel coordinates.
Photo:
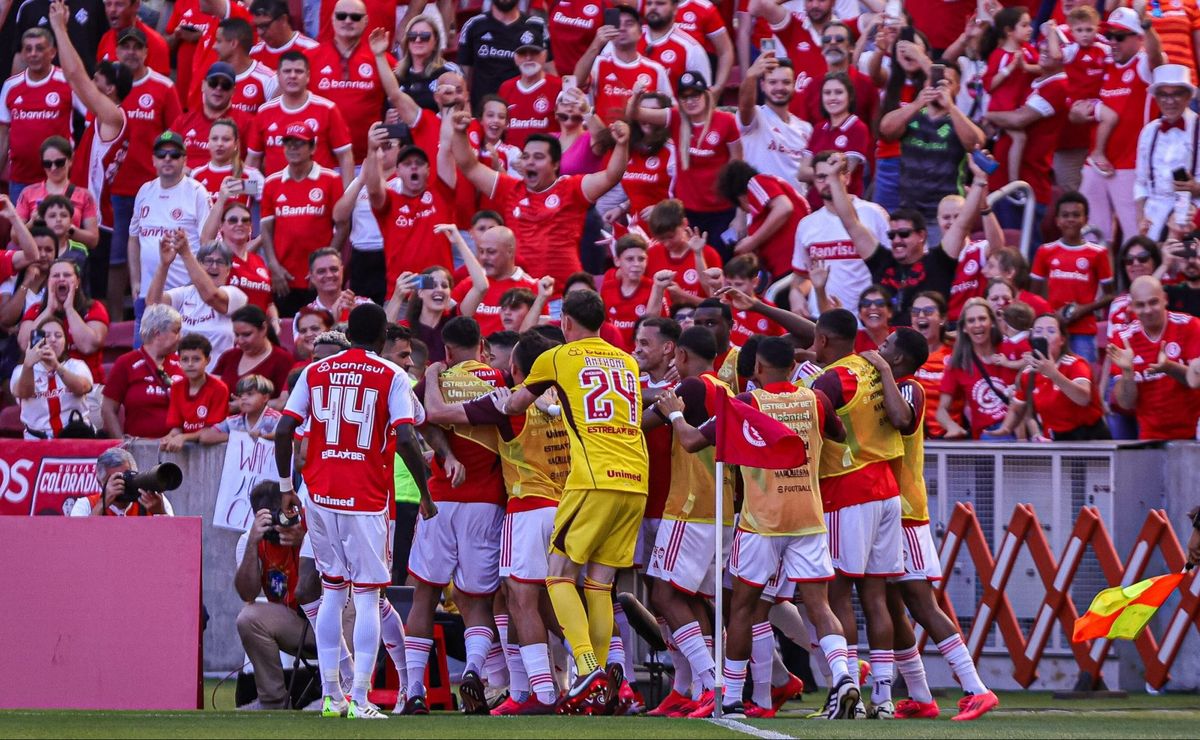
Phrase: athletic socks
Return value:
(683, 669)
(762, 657)
(691, 644)
(392, 631)
(837, 656)
(955, 653)
(518, 678)
(911, 667)
(416, 657)
(366, 640)
(814, 649)
(568, 607)
(328, 632)
(852, 663)
(626, 632)
(882, 671)
(616, 651)
(478, 642)
(346, 662)
(600, 617)
(536, 659)
(735, 681)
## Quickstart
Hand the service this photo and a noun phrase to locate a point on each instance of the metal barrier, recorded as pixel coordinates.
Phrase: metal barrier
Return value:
(1020, 186)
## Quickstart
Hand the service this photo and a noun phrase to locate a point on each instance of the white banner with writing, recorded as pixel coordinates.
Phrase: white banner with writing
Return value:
(248, 462)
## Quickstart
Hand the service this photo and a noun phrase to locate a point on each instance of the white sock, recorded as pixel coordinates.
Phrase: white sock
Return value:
(366, 640)
(328, 631)
(911, 667)
(346, 663)
(478, 641)
(882, 671)
(691, 643)
(852, 663)
(536, 658)
(495, 666)
(682, 683)
(626, 631)
(735, 681)
(837, 656)
(762, 653)
(392, 631)
(616, 651)
(518, 679)
(956, 654)
(416, 657)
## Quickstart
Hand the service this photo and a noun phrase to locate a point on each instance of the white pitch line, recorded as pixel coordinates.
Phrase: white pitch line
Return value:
(742, 727)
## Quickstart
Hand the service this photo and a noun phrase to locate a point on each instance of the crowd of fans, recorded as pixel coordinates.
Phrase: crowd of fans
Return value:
(239, 177)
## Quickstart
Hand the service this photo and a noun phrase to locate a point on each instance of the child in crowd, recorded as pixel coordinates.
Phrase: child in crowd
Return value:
(252, 394)
(1011, 67)
(198, 403)
(1015, 322)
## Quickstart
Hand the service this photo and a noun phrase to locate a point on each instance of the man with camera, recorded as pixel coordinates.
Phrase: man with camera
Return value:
(269, 564)
(125, 492)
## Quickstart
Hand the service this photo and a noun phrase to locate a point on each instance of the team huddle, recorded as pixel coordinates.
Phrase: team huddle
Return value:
(585, 460)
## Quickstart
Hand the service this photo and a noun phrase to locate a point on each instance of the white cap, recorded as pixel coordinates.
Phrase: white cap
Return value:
(1172, 75)
(1126, 19)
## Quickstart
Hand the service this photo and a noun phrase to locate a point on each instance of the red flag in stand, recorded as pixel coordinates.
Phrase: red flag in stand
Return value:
(747, 436)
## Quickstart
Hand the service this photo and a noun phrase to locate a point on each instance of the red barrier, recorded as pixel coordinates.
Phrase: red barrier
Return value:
(45, 477)
(1025, 531)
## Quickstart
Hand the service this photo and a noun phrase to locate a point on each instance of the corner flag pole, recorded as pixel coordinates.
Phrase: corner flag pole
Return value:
(719, 622)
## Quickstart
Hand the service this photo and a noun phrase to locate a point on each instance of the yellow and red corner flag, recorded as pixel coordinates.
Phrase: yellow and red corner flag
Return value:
(747, 436)
(1120, 612)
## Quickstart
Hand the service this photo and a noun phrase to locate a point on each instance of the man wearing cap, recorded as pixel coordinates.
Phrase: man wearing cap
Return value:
(612, 65)
(672, 47)
(254, 82)
(123, 15)
(206, 52)
(531, 96)
(170, 201)
(297, 217)
(1122, 111)
(1165, 146)
(216, 103)
(275, 32)
(343, 70)
(488, 43)
(296, 104)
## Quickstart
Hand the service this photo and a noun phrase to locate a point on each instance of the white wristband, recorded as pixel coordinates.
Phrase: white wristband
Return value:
(554, 410)
(674, 416)
(285, 485)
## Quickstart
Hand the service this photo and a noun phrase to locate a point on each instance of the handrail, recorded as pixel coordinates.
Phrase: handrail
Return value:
(1030, 209)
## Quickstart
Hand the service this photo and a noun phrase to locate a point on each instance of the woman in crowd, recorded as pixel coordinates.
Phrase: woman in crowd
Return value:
(137, 395)
(421, 62)
(973, 378)
(841, 131)
(84, 320)
(651, 169)
(875, 315)
(906, 74)
(424, 309)
(224, 173)
(583, 136)
(494, 152)
(1064, 400)
(229, 223)
(255, 351)
(57, 156)
(1008, 263)
(310, 323)
(50, 385)
(929, 317)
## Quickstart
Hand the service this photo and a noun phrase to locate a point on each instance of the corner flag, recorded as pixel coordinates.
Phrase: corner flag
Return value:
(1120, 613)
(747, 436)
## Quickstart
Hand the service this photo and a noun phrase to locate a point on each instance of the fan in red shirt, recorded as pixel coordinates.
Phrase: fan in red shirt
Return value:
(122, 17)
(206, 53)
(680, 249)
(650, 174)
(544, 209)
(254, 82)
(34, 105)
(380, 14)
(702, 21)
(138, 386)
(254, 352)
(1006, 263)
(274, 26)
(297, 215)
(840, 130)
(530, 97)
(743, 273)
(186, 26)
(1150, 360)
(296, 104)
(614, 67)
(196, 125)
(344, 71)
(1085, 58)
(802, 39)
(572, 25)
(672, 47)
(972, 378)
(628, 293)
(774, 208)
(248, 271)
(496, 252)
(200, 401)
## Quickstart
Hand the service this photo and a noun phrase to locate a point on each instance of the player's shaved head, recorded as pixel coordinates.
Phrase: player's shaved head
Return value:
(775, 352)
(462, 332)
(367, 326)
(835, 334)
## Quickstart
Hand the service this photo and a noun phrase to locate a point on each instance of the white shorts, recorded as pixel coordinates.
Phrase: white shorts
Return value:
(647, 534)
(351, 547)
(525, 545)
(683, 556)
(461, 544)
(921, 561)
(757, 559)
(864, 539)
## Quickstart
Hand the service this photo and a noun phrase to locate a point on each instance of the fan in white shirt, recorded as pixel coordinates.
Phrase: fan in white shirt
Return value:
(773, 140)
(206, 302)
(49, 384)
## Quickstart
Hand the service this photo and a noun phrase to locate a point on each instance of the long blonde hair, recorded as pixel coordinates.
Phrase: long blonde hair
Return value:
(685, 130)
(435, 60)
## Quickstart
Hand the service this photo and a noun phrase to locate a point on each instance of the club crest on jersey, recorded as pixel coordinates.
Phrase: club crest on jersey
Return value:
(690, 275)
(690, 17)
(840, 141)
(312, 123)
(752, 436)
(644, 79)
(1172, 350)
(652, 163)
(668, 56)
(315, 195)
(364, 70)
(590, 9)
(427, 197)
(145, 100)
(52, 98)
(176, 213)
(202, 411)
(971, 267)
(553, 201)
(250, 90)
(713, 138)
(541, 105)
(1081, 263)
(1127, 76)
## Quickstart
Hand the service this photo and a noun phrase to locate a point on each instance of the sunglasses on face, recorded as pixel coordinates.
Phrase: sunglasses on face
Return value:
(1118, 37)
(926, 311)
(574, 118)
(237, 220)
(168, 154)
(901, 233)
(54, 164)
(356, 17)
(833, 39)
(1140, 258)
(419, 35)
(872, 303)
(220, 83)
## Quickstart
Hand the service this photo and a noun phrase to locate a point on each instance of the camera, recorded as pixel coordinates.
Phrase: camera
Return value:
(279, 519)
(160, 478)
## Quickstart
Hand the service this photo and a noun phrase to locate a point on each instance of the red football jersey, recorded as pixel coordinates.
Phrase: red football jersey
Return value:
(380, 14)
(1073, 274)
(34, 111)
(254, 279)
(273, 118)
(269, 55)
(543, 222)
(647, 178)
(409, 243)
(1085, 67)
(968, 278)
(777, 253)
(613, 81)
(708, 153)
(136, 385)
(187, 13)
(352, 85)
(572, 25)
(207, 408)
(623, 311)
(1165, 408)
(1126, 90)
(746, 324)
(195, 126)
(984, 408)
(487, 314)
(1058, 413)
(530, 111)
(802, 45)
(303, 214)
(853, 138)
(658, 447)
(677, 52)
(352, 402)
(687, 277)
(701, 20)
(150, 108)
(205, 55)
(158, 54)
(485, 481)
(1049, 97)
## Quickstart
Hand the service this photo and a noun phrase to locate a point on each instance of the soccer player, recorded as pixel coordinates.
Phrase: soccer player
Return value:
(781, 534)
(596, 526)
(859, 493)
(898, 358)
(352, 402)
(682, 563)
(533, 452)
(463, 543)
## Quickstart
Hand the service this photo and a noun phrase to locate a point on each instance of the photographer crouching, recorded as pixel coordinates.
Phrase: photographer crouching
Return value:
(125, 491)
